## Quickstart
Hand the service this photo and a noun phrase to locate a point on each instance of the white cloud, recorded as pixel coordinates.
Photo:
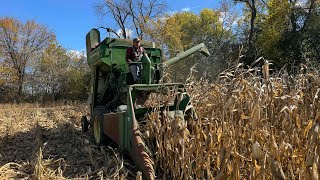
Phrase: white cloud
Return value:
(129, 32)
(185, 9)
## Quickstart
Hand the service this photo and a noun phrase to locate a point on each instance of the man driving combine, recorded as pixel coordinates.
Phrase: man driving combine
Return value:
(134, 54)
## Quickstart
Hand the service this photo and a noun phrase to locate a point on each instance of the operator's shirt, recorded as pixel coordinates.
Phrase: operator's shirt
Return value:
(132, 53)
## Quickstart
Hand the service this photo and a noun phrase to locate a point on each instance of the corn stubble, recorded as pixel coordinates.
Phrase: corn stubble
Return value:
(47, 143)
(248, 127)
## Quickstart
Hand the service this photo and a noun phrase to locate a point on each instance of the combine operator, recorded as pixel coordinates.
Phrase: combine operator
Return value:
(134, 54)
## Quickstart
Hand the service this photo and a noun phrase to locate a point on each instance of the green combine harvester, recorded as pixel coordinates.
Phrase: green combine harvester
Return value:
(117, 104)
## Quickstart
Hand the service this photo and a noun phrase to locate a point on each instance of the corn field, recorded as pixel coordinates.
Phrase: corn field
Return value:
(249, 125)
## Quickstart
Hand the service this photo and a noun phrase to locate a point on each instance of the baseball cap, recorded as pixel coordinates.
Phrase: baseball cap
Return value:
(136, 39)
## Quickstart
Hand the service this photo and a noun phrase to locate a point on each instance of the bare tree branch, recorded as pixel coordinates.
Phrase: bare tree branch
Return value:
(139, 11)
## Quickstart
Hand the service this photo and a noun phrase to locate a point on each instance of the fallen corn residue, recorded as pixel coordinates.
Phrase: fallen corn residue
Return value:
(46, 142)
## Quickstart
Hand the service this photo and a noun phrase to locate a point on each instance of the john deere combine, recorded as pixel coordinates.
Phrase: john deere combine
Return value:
(117, 104)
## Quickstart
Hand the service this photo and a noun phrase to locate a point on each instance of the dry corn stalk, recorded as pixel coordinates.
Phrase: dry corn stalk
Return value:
(267, 125)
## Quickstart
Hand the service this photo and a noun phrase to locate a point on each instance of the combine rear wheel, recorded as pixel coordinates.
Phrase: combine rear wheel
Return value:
(97, 125)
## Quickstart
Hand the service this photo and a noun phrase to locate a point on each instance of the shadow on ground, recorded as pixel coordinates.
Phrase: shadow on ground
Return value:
(63, 150)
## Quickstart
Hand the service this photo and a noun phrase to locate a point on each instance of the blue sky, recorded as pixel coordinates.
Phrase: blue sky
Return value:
(70, 20)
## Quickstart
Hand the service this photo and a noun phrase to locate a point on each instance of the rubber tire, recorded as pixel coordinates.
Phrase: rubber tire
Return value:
(84, 124)
(98, 135)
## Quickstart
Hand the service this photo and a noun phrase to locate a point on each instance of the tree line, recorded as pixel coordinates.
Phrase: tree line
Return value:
(34, 66)
(286, 32)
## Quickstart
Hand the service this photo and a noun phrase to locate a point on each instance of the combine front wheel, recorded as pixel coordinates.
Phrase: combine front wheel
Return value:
(97, 125)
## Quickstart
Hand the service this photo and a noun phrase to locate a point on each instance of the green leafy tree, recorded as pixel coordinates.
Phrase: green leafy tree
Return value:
(79, 74)
(20, 43)
(61, 74)
(290, 33)
(273, 28)
(51, 71)
(181, 31)
(7, 82)
(253, 15)
(301, 42)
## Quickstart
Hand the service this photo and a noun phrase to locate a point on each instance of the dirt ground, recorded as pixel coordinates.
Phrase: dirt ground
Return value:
(46, 142)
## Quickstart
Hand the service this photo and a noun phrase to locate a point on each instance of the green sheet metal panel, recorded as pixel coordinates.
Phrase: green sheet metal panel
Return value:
(100, 57)
(92, 40)
(118, 58)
